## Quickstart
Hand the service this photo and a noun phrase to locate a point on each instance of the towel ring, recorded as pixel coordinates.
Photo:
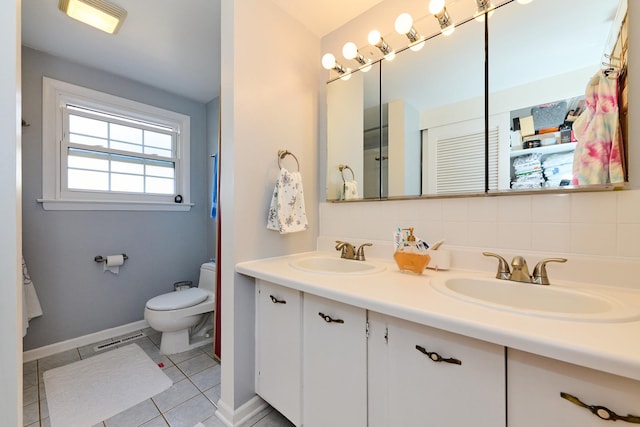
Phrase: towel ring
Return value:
(284, 153)
(342, 168)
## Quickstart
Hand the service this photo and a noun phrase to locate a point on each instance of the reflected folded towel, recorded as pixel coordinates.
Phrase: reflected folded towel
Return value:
(350, 190)
(287, 212)
(30, 303)
(558, 159)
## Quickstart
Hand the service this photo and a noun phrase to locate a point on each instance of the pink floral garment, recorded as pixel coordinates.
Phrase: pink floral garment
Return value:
(599, 154)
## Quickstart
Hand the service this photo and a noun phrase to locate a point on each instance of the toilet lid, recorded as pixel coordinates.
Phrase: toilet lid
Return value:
(177, 300)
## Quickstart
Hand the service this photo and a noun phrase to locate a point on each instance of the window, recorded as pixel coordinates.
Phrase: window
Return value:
(102, 152)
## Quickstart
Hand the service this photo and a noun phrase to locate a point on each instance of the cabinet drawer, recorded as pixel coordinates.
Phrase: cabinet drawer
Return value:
(533, 393)
(279, 348)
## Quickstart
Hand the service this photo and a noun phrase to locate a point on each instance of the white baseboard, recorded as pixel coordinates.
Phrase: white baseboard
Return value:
(244, 413)
(58, 347)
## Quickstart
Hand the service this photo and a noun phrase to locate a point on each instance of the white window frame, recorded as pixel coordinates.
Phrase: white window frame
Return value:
(56, 94)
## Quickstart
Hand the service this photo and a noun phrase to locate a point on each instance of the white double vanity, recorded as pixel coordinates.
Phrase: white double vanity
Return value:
(340, 345)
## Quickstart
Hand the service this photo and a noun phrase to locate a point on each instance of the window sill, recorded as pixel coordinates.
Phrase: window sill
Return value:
(111, 205)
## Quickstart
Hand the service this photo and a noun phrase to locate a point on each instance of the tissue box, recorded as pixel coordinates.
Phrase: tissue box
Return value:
(440, 259)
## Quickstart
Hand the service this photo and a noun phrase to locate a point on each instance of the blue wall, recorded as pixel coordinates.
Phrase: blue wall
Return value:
(77, 297)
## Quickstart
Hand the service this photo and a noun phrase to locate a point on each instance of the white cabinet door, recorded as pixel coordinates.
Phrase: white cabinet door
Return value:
(535, 385)
(334, 364)
(440, 379)
(279, 348)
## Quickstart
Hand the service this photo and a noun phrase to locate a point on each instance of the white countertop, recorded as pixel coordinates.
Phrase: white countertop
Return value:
(612, 347)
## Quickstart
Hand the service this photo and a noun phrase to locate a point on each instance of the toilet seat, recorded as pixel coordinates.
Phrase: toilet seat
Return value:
(177, 300)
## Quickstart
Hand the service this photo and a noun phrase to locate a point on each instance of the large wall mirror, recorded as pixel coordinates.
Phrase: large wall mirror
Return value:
(416, 126)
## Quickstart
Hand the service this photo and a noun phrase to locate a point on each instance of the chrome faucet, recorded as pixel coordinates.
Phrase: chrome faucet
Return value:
(519, 271)
(360, 251)
(350, 252)
(539, 276)
(504, 272)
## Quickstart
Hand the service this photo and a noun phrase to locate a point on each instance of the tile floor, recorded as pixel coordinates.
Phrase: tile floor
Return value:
(191, 399)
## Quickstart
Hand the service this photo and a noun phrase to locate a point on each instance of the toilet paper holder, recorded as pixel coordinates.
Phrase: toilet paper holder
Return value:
(100, 258)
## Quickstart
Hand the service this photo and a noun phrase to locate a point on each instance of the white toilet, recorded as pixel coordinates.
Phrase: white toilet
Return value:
(183, 316)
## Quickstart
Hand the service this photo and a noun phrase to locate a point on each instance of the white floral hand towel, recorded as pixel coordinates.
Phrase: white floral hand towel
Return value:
(350, 190)
(287, 213)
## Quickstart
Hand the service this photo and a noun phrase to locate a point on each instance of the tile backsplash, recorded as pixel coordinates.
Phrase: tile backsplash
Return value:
(599, 225)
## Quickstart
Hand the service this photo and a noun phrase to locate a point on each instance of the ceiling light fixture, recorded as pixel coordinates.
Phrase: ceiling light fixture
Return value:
(350, 51)
(404, 25)
(99, 14)
(375, 39)
(439, 11)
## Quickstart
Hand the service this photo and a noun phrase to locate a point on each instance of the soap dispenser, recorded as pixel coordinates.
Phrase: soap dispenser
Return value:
(411, 257)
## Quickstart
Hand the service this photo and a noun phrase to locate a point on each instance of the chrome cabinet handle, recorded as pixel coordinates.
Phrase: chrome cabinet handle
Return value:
(601, 411)
(436, 357)
(276, 300)
(329, 319)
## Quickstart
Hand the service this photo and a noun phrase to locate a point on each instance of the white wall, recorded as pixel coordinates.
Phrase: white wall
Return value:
(10, 218)
(269, 102)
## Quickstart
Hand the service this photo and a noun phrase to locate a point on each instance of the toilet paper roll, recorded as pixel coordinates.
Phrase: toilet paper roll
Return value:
(113, 263)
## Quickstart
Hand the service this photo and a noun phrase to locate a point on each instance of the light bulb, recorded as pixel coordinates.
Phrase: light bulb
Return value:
(524, 1)
(328, 61)
(403, 24)
(436, 6)
(367, 68)
(390, 56)
(349, 50)
(347, 76)
(447, 31)
(374, 37)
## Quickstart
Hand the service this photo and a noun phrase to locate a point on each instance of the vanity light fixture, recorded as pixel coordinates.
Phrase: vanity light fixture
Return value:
(375, 39)
(483, 7)
(329, 63)
(524, 1)
(439, 11)
(350, 51)
(99, 14)
(404, 25)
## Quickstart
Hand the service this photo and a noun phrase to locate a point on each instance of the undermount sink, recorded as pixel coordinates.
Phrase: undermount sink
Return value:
(551, 301)
(332, 265)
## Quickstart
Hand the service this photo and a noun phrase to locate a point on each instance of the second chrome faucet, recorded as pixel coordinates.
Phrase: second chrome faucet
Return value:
(519, 272)
(349, 252)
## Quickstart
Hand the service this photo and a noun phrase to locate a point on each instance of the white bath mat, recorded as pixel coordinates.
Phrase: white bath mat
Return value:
(86, 392)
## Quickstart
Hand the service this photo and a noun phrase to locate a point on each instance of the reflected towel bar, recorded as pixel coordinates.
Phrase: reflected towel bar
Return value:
(342, 168)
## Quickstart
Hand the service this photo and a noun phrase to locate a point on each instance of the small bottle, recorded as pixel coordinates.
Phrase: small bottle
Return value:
(411, 257)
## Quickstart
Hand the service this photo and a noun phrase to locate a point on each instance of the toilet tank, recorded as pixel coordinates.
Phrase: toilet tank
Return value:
(207, 279)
